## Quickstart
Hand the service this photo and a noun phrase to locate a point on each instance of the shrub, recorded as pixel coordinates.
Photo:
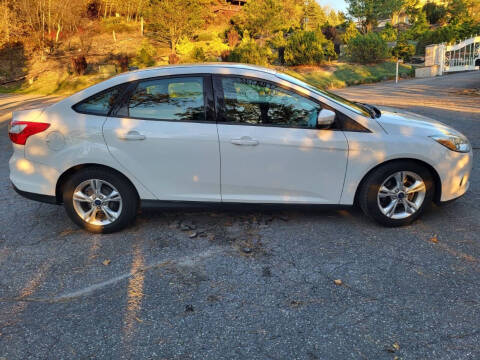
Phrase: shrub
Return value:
(206, 36)
(447, 34)
(173, 58)
(368, 48)
(351, 31)
(79, 65)
(389, 33)
(233, 38)
(93, 9)
(307, 48)
(329, 31)
(122, 61)
(225, 55)
(198, 54)
(145, 55)
(249, 52)
(403, 50)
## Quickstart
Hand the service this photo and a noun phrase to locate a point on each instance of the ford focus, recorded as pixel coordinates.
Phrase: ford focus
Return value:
(230, 133)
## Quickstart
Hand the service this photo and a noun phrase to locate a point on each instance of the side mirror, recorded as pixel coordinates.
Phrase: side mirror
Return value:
(325, 118)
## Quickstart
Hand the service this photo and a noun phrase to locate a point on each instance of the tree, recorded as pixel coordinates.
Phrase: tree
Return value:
(351, 32)
(435, 13)
(389, 33)
(172, 20)
(369, 12)
(457, 11)
(313, 15)
(263, 18)
(403, 50)
(419, 28)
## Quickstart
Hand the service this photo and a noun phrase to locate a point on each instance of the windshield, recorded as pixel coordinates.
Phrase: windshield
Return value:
(356, 107)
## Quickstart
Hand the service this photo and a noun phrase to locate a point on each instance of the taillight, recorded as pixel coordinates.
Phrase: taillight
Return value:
(19, 131)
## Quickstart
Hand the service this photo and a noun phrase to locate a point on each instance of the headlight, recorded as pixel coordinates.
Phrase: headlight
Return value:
(453, 142)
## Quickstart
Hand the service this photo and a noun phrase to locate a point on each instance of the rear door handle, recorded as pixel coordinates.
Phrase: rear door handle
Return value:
(245, 141)
(132, 135)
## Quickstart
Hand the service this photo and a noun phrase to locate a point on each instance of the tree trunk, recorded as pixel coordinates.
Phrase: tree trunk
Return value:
(49, 16)
(58, 32)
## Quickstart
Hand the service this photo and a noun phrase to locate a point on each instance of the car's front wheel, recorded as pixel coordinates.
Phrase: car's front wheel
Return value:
(396, 193)
(99, 200)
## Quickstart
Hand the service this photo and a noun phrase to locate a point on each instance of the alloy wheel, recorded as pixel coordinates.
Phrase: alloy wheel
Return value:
(97, 202)
(401, 195)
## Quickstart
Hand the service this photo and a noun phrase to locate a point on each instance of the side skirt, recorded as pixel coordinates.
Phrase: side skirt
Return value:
(163, 204)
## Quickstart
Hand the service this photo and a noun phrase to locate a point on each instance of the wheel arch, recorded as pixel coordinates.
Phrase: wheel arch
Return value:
(74, 169)
(436, 178)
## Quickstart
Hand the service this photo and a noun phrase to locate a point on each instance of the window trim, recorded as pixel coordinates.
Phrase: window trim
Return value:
(207, 98)
(220, 103)
(123, 88)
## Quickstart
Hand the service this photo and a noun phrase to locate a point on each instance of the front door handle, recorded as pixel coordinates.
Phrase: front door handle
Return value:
(245, 141)
(131, 135)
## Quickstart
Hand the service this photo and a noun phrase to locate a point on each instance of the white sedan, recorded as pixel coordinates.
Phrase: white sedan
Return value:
(230, 133)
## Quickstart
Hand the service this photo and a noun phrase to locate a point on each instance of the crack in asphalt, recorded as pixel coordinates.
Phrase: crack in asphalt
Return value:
(88, 290)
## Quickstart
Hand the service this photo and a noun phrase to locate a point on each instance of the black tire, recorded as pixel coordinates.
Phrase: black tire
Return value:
(123, 186)
(367, 197)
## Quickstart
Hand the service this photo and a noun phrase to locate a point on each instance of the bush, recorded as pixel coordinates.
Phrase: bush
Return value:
(122, 61)
(307, 48)
(93, 9)
(145, 55)
(403, 50)
(350, 32)
(447, 34)
(389, 33)
(198, 54)
(191, 51)
(79, 65)
(249, 52)
(173, 59)
(206, 36)
(233, 38)
(368, 48)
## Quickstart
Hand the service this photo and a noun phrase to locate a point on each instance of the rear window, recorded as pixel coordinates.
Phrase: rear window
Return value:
(101, 103)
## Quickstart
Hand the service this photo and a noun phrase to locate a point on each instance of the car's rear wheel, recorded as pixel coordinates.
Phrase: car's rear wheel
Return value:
(99, 200)
(397, 193)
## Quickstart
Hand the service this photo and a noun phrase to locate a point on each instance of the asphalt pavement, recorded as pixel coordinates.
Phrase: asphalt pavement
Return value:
(252, 284)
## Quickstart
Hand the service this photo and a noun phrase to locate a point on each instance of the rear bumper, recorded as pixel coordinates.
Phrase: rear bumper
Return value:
(32, 177)
(49, 199)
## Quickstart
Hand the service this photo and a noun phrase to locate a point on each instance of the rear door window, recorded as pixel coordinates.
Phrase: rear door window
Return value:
(171, 99)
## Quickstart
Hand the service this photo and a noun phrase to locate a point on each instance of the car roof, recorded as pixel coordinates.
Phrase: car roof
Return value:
(204, 67)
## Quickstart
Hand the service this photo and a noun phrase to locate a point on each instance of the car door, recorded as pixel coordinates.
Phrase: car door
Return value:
(164, 132)
(271, 149)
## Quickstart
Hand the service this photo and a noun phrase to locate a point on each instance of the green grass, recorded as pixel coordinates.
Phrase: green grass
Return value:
(349, 74)
(59, 82)
(55, 83)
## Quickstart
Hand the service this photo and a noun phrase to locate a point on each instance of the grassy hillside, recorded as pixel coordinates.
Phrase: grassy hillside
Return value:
(52, 73)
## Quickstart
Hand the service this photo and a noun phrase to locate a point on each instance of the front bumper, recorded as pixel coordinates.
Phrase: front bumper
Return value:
(455, 175)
